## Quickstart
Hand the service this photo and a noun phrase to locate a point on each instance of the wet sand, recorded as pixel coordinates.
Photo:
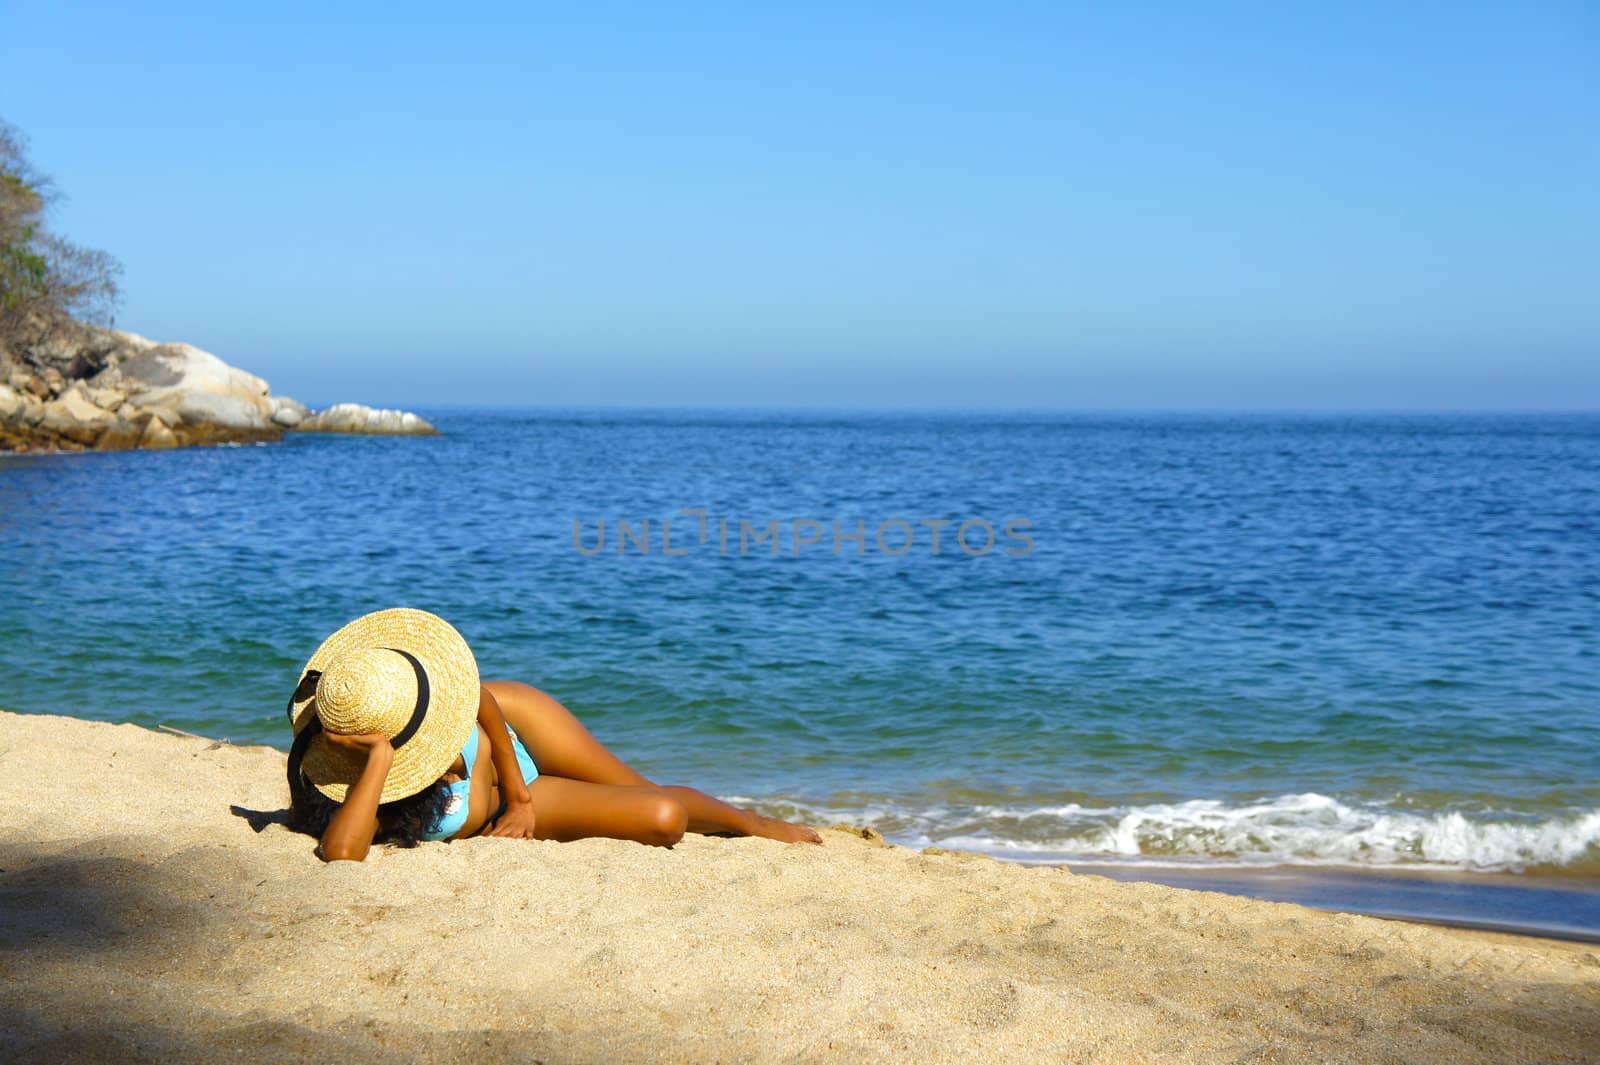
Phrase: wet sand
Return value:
(1554, 907)
(153, 908)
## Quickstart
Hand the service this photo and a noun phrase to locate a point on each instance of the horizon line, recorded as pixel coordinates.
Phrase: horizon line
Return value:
(826, 409)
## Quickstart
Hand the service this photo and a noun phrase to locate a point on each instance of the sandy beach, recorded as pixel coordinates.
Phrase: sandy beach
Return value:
(153, 908)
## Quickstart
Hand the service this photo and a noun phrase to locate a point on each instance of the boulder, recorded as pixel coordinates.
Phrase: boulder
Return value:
(11, 404)
(355, 418)
(289, 412)
(74, 417)
(105, 398)
(120, 435)
(32, 384)
(109, 377)
(190, 385)
(157, 436)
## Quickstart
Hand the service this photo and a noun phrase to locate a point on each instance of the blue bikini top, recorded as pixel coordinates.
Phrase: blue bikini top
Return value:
(455, 807)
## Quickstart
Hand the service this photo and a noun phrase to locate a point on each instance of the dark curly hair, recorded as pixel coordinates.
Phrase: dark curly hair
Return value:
(401, 823)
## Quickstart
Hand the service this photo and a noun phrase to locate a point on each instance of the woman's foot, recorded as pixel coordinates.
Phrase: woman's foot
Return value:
(782, 831)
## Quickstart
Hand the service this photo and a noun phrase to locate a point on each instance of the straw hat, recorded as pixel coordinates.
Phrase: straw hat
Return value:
(402, 672)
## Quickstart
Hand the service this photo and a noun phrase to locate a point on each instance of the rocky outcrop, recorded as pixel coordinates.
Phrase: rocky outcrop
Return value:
(189, 386)
(66, 386)
(354, 418)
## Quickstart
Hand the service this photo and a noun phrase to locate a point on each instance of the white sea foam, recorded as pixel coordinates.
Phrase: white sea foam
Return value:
(1298, 829)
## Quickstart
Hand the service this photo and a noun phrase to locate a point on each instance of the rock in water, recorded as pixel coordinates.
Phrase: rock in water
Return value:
(289, 412)
(355, 418)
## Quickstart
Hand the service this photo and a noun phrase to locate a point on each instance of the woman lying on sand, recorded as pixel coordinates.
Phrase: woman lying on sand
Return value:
(396, 739)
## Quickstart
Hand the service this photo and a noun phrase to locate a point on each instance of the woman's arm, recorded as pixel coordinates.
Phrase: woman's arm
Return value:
(517, 822)
(349, 834)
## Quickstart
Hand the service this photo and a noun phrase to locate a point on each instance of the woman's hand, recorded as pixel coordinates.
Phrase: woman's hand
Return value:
(515, 823)
(351, 830)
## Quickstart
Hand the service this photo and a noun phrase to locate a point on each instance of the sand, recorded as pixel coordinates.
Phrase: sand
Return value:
(153, 909)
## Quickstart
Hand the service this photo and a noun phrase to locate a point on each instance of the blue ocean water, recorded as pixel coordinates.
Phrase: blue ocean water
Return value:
(1235, 639)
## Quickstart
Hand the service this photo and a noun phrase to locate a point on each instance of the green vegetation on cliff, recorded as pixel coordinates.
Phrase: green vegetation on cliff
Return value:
(41, 272)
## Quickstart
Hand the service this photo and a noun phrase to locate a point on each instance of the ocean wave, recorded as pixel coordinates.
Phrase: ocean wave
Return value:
(1307, 829)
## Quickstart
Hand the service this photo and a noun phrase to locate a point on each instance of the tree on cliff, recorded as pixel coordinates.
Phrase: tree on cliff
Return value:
(41, 272)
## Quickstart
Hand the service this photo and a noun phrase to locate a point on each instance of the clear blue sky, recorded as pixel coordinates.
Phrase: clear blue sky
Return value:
(1021, 205)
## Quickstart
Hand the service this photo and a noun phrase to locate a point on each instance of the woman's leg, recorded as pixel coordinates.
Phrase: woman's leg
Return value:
(710, 817)
(577, 809)
(566, 810)
(562, 747)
